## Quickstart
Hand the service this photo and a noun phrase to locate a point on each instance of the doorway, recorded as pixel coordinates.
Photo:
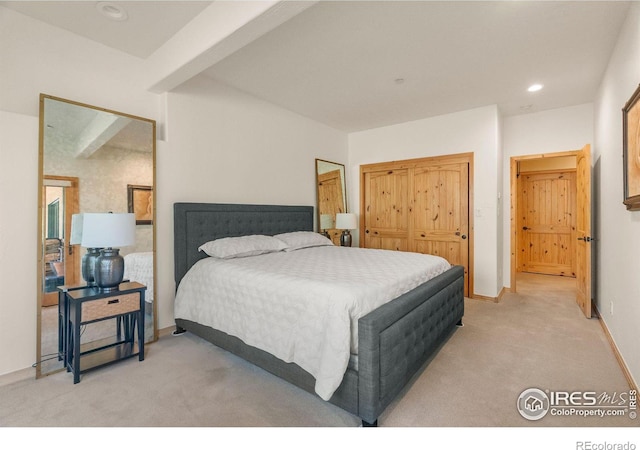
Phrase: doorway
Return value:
(557, 241)
(59, 263)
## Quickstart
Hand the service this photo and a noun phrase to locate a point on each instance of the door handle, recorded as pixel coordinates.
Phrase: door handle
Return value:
(586, 238)
(464, 236)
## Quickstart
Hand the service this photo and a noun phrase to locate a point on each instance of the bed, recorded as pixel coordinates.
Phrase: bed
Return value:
(138, 267)
(394, 341)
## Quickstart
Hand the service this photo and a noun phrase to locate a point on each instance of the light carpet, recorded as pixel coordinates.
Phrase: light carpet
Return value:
(535, 338)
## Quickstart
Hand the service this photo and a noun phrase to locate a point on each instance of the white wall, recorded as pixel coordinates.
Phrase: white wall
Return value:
(618, 230)
(18, 239)
(558, 130)
(229, 147)
(476, 131)
(499, 204)
(216, 140)
(37, 58)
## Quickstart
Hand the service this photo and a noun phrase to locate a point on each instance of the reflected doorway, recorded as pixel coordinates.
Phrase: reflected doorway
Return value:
(60, 260)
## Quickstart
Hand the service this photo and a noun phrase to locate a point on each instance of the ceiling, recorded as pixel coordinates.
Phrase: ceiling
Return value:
(356, 65)
(149, 24)
(78, 131)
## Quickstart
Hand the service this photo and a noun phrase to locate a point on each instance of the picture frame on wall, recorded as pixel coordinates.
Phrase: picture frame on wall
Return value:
(140, 199)
(631, 151)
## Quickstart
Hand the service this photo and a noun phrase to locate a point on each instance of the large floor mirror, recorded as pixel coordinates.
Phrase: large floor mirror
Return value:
(332, 197)
(90, 160)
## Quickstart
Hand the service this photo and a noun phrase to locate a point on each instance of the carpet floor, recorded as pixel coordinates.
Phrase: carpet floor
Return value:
(537, 338)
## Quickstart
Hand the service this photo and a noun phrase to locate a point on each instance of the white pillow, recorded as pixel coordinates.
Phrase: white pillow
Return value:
(238, 247)
(302, 239)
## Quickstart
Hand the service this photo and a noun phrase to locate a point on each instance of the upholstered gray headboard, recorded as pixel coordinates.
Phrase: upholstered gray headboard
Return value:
(197, 223)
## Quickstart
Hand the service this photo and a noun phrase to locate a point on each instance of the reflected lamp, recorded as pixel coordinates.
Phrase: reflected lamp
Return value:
(346, 222)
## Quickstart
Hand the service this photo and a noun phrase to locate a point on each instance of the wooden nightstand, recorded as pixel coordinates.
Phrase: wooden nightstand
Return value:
(87, 305)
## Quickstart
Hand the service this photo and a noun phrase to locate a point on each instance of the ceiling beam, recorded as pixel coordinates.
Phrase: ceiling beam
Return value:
(100, 131)
(217, 32)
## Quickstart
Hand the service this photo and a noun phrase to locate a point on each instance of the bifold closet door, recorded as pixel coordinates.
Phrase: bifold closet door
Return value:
(419, 206)
(440, 213)
(386, 209)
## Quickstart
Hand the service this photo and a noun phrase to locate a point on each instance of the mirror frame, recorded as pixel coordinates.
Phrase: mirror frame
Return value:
(41, 225)
(341, 167)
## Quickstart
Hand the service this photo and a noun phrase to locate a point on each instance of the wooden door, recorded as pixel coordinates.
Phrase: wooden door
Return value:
(386, 209)
(583, 229)
(420, 205)
(66, 265)
(440, 213)
(547, 204)
(331, 200)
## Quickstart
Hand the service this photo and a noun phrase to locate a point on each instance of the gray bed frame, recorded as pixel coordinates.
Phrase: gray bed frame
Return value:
(395, 341)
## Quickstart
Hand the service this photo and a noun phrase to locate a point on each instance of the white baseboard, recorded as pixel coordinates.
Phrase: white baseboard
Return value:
(18, 375)
(616, 352)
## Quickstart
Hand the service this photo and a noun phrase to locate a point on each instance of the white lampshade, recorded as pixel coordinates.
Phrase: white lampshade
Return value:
(326, 221)
(102, 230)
(346, 221)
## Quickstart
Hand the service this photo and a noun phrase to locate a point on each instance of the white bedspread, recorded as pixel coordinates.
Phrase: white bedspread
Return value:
(139, 267)
(301, 306)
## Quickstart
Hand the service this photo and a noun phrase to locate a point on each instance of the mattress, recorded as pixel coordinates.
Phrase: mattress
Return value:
(301, 306)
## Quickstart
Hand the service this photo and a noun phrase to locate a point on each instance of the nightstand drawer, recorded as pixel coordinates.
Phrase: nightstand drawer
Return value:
(111, 306)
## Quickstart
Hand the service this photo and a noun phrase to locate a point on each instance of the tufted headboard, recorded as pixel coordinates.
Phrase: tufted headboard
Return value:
(197, 223)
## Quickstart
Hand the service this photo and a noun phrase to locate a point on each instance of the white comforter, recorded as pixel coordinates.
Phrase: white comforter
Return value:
(301, 306)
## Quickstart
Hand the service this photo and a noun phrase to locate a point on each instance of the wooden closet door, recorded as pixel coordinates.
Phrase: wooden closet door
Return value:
(440, 213)
(386, 209)
(420, 205)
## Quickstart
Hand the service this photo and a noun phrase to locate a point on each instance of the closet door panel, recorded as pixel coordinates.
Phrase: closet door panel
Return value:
(448, 250)
(439, 219)
(386, 209)
(419, 205)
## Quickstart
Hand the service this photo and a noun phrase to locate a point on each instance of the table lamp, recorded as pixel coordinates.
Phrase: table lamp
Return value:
(107, 231)
(346, 222)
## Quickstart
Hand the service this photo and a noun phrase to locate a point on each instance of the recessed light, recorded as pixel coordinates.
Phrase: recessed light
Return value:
(535, 87)
(112, 11)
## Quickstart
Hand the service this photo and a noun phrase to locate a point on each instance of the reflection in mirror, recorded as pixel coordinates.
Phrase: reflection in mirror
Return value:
(332, 197)
(89, 159)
